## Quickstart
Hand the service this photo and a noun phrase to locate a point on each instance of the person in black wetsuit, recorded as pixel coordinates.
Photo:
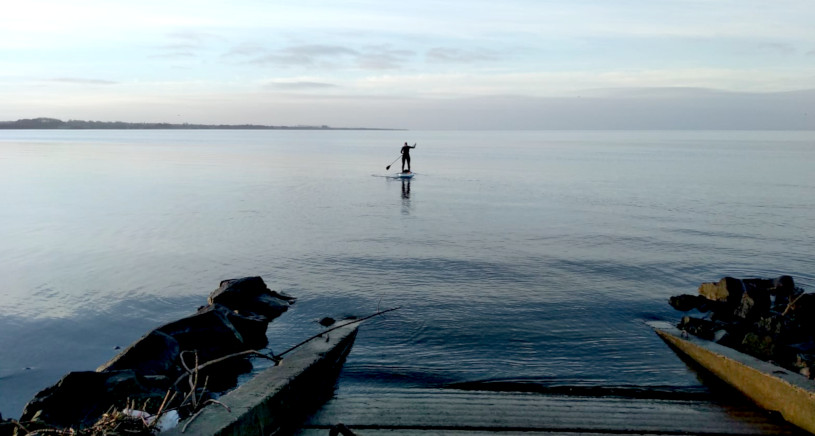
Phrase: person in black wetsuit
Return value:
(406, 156)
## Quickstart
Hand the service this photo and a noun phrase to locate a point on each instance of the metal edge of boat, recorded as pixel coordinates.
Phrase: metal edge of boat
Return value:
(770, 386)
(275, 399)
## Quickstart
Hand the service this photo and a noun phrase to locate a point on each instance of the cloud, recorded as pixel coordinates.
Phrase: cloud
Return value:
(299, 85)
(327, 56)
(771, 48)
(186, 44)
(383, 57)
(306, 55)
(245, 50)
(458, 56)
(83, 81)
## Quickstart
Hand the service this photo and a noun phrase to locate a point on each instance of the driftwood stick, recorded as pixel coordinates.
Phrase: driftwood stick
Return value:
(221, 359)
(192, 378)
(167, 401)
(792, 303)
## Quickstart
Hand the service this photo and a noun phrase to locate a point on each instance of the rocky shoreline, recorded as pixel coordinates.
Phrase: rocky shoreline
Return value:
(770, 319)
(176, 366)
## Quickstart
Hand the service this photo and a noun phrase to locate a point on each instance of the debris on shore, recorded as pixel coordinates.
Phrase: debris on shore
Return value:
(770, 319)
(179, 366)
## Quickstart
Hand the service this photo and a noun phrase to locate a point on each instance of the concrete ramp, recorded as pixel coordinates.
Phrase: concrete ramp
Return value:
(456, 412)
(274, 400)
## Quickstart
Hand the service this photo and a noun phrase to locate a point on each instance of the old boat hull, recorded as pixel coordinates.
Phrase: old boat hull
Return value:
(770, 386)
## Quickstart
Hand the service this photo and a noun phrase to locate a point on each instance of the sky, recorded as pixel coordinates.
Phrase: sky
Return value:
(441, 64)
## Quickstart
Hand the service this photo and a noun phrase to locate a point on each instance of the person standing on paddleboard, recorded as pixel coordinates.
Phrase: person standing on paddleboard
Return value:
(406, 156)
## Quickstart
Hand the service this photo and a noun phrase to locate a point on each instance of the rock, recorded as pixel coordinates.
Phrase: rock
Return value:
(686, 302)
(223, 375)
(780, 286)
(251, 328)
(235, 320)
(754, 303)
(758, 345)
(771, 324)
(727, 290)
(80, 398)
(702, 328)
(802, 309)
(804, 360)
(795, 355)
(767, 318)
(156, 353)
(249, 296)
(327, 321)
(6, 427)
(209, 333)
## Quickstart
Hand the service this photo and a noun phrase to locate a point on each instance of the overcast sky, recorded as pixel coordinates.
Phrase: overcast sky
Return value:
(474, 64)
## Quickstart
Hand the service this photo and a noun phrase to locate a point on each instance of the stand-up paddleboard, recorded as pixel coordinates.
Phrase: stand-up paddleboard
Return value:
(405, 175)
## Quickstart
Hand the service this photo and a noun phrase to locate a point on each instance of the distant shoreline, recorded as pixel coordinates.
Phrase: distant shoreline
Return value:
(56, 124)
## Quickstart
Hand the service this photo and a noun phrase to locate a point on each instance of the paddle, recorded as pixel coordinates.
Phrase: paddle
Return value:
(389, 166)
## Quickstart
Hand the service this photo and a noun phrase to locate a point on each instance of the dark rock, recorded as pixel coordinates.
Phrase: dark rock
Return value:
(686, 302)
(154, 354)
(778, 289)
(80, 398)
(754, 303)
(702, 328)
(758, 345)
(727, 338)
(804, 364)
(795, 356)
(249, 296)
(223, 375)
(236, 320)
(802, 310)
(772, 324)
(767, 318)
(252, 328)
(209, 333)
(327, 321)
(6, 427)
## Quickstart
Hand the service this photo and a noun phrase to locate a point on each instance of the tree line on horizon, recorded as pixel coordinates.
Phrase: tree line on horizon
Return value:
(53, 123)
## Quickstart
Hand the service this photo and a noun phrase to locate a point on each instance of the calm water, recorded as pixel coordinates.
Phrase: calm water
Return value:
(526, 256)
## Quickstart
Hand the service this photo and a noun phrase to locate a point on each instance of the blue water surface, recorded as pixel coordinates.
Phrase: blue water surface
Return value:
(532, 256)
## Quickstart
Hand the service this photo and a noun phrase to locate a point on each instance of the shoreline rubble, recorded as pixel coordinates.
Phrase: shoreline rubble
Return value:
(770, 319)
(225, 332)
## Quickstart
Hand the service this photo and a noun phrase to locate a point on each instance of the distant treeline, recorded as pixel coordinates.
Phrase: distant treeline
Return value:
(53, 123)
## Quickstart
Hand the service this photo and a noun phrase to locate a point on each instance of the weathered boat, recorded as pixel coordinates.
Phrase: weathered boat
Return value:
(770, 386)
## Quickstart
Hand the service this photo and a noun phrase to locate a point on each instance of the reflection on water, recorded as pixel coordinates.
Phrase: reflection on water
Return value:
(405, 196)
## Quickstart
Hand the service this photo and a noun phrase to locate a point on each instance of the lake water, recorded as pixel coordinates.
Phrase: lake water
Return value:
(531, 257)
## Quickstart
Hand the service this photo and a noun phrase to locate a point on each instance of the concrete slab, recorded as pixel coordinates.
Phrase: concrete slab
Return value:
(275, 399)
(771, 387)
(454, 412)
